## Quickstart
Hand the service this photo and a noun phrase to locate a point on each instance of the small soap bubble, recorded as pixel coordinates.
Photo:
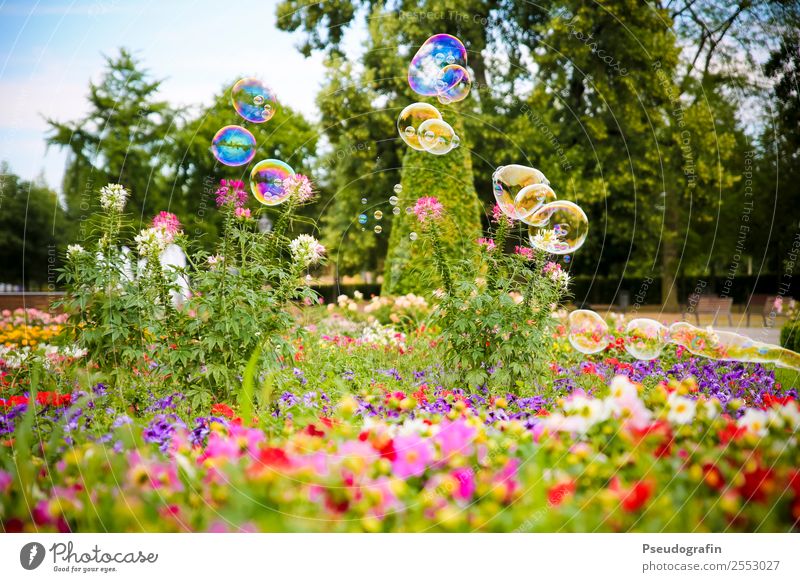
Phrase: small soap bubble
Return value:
(393, 200)
(363, 201)
(409, 210)
(267, 181)
(645, 338)
(253, 100)
(395, 210)
(378, 229)
(362, 219)
(438, 51)
(378, 215)
(587, 331)
(258, 99)
(413, 236)
(410, 119)
(233, 146)
(437, 136)
(398, 188)
(562, 227)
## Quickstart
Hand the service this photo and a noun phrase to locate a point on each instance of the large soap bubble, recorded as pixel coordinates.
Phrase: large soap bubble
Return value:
(267, 181)
(563, 227)
(587, 331)
(436, 136)
(435, 54)
(507, 181)
(645, 338)
(411, 118)
(253, 100)
(233, 145)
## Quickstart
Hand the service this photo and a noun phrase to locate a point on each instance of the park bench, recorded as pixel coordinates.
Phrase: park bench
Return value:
(700, 304)
(764, 305)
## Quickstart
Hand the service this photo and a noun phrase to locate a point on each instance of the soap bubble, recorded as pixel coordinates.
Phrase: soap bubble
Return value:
(395, 210)
(363, 201)
(563, 229)
(378, 229)
(378, 215)
(645, 338)
(233, 146)
(410, 119)
(436, 53)
(567, 258)
(723, 345)
(453, 84)
(398, 188)
(267, 180)
(436, 136)
(253, 100)
(393, 200)
(456, 141)
(412, 236)
(507, 181)
(532, 198)
(587, 331)
(362, 219)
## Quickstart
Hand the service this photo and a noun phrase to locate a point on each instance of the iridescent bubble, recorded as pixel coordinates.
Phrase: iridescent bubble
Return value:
(395, 210)
(436, 136)
(398, 188)
(233, 146)
(722, 345)
(412, 236)
(587, 331)
(267, 180)
(453, 84)
(409, 210)
(393, 200)
(564, 227)
(362, 219)
(456, 141)
(532, 198)
(378, 215)
(435, 53)
(645, 338)
(567, 258)
(363, 201)
(507, 181)
(253, 100)
(410, 119)
(378, 229)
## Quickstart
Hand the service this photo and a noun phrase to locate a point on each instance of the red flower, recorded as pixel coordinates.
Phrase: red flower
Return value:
(387, 451)
(756, 485)
(222, 410)
(713, 477)
(312, 430)
(274, 457)
(558, 492)
(635, 497)
(731, 432)
(770, 400)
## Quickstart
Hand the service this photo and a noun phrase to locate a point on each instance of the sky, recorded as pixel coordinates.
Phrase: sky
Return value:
(49, 51)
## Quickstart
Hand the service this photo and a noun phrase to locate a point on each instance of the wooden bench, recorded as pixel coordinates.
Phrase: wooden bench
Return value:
(764, 305)
(700, 304)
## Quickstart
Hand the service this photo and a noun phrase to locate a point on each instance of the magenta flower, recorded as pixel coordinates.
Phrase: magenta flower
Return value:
(231, 192)
(455, 437)
(551, 267)
(428, 208)
(242, 213)
(413, 456)
(466, 483)
(525, 252)
(498, 215)
(486, 242)
(299, 187)
(167, 223)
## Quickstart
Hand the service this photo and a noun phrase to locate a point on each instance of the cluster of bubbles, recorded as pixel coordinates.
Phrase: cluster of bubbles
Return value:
(645, 339)
(439, 69)
(378, 214)
(421, 126)
(233, 145)
(555, 226)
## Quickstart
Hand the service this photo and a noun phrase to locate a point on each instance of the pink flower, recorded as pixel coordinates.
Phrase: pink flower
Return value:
(486, 242)
(499, 216)
(466, 483)
(167, 223)
(413, 456)
(242, 213)
(525, 252)
(5, 481)
(428, 208)
(299, 187)
(551, 267)
(231, 192)
(455, 437)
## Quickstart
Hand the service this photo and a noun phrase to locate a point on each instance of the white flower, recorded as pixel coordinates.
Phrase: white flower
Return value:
(113, 197)
(545, 239)
(358, 295)
(754, 421)
(681, 409)
(214, 260)
(306, 250)
(623, 389)
(74, 250)
(151, 242)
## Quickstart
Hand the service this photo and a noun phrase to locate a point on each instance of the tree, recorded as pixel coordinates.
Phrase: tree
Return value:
(32, 238)
(122, 139)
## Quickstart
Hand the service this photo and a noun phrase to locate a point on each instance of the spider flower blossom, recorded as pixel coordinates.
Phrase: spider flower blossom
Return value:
(299, 187)
(151, 242)
(113, 197)
(498, 216)
(486, 242)
(231, 192)
(306, 250)
(428, 208)
(524, 252)
(74, 250)
(168, 224)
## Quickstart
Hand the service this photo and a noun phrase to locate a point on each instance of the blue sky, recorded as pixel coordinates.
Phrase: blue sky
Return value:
(49, 50)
